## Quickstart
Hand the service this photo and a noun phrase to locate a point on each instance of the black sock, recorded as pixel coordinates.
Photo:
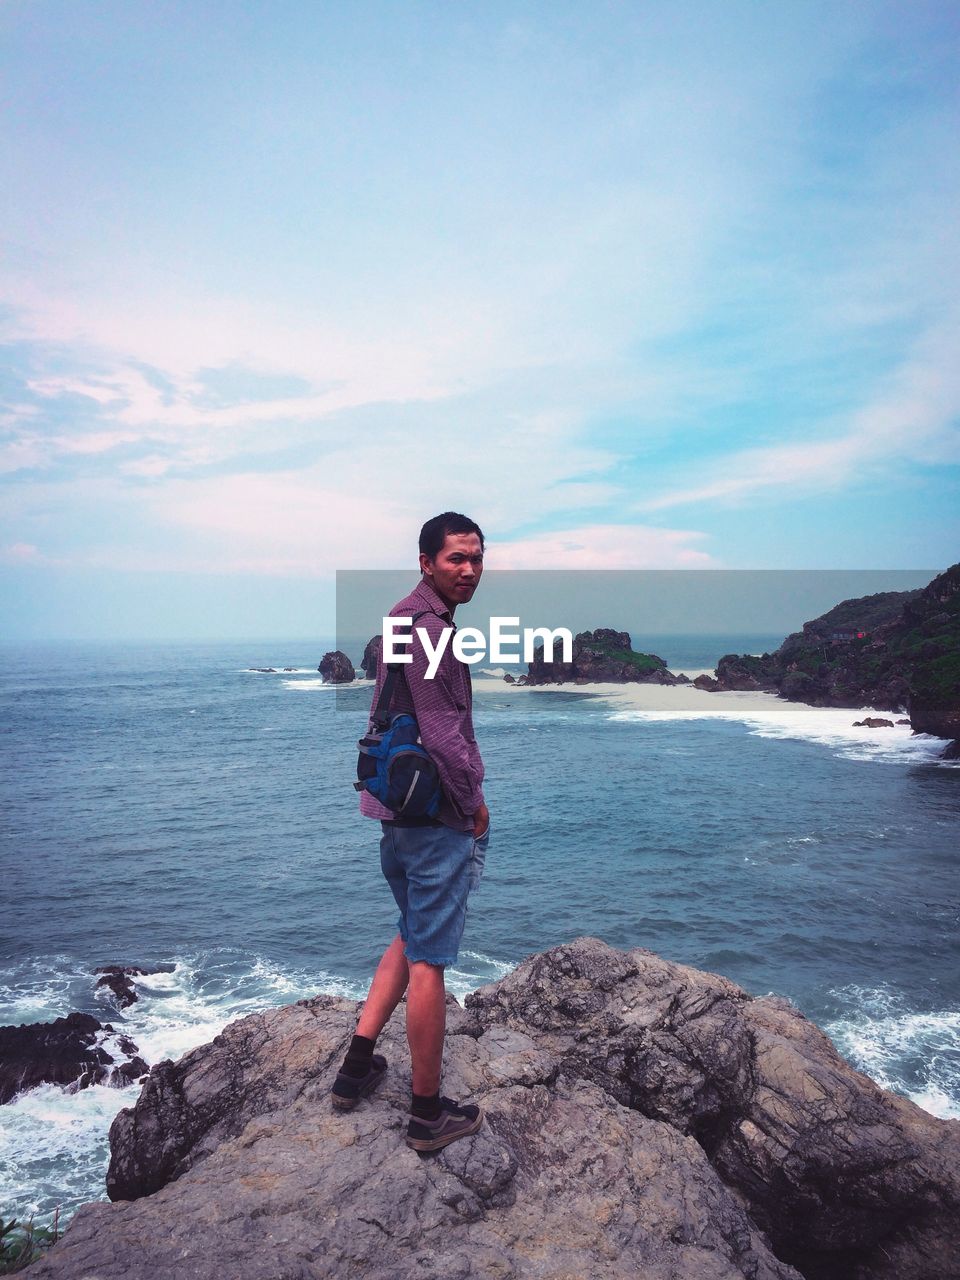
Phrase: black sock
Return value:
(426, 1106)
(357, 1061)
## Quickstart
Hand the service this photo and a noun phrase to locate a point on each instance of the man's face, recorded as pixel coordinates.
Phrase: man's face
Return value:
(456, 569)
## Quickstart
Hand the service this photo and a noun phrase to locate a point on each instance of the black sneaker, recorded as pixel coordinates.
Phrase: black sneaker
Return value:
(452, 1123)
(348, 1090)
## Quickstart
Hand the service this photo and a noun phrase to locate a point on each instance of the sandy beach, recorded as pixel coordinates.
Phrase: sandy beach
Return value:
(764, 713)
(678, 698)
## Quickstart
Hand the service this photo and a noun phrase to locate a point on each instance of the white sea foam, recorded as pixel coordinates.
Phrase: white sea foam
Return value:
(831, 727)
(481, 969)
(54, 1149)
(916, 1054)
(277, 671)
(40, 990)
(766, 716)
(318, 683)
(53, 1143)
(179, 1010)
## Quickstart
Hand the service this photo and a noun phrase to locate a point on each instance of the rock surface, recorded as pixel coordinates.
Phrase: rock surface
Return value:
(336, 668)
(643, 1119)
(76, 1051)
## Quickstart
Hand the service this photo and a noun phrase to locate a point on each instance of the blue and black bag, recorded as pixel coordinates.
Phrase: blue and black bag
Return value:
(393, 765)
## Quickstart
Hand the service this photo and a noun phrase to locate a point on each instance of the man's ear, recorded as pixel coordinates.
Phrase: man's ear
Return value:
(426, 564)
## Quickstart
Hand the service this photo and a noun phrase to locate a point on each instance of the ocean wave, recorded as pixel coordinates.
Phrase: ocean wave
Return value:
(830, 727)
(41, 989)
(478, 970)
(915, 1054)
(56, 1149)
(187, 1007)
(277, 671)
(318, 683)
(55, 1142)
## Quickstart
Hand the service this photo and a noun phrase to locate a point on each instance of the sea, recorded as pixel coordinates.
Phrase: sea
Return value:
(168, 806)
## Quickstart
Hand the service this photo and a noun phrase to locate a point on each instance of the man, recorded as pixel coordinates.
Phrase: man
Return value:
(429, 863)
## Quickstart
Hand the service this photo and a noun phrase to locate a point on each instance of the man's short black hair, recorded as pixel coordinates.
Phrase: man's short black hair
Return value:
(434, 533)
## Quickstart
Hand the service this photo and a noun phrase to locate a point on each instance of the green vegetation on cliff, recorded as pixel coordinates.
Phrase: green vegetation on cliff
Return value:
(894, 650)
(642, 661)
(601, 655)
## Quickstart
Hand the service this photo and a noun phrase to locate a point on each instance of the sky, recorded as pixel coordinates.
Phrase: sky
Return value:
(634, 285)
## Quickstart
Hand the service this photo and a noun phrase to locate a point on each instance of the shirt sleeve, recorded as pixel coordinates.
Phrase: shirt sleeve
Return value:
(441, 718)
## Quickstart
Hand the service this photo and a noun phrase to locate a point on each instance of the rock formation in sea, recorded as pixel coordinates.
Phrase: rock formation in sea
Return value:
(892, 650)
(71, 1051)
(643, 1119)
(336, 668)
(119, 979)
(599, 656)
(371, 656)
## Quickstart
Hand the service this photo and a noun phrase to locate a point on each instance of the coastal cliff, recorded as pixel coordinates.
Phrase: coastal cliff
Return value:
(643, 1118)
(893, 651)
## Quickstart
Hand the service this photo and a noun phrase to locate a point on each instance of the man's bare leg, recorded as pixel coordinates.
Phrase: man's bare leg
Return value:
(386, 990)
(361, 1071)
(426, 1023)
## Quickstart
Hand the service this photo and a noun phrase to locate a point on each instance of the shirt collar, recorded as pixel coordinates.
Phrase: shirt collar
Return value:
(429, 596)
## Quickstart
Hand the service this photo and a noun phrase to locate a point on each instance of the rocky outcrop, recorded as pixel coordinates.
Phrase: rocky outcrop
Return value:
(371, 656)
(336, 668)
(119, 979)
(642, 1119)
(893, 650)
(601, 656)
(932, 636)
(873, 722)
(75, 1051)
(707, 683)
(846, 1179)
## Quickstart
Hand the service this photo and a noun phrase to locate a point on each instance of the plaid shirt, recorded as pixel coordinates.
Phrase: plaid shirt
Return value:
(443, 708)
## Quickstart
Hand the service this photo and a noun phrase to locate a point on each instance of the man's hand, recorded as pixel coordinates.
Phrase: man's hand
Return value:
(481, 820)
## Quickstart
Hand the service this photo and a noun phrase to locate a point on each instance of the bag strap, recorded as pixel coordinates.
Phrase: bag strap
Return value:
(381, 712)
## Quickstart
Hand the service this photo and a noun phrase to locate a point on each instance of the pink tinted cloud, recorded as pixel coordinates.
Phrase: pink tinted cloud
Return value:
(26, 553)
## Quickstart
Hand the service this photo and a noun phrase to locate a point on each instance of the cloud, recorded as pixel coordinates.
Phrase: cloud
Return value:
(560, 310)
(614, 546)
(341, 512)
(915, 420)
(25, 553)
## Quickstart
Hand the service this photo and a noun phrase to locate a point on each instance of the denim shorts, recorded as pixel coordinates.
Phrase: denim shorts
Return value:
(431, 871)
